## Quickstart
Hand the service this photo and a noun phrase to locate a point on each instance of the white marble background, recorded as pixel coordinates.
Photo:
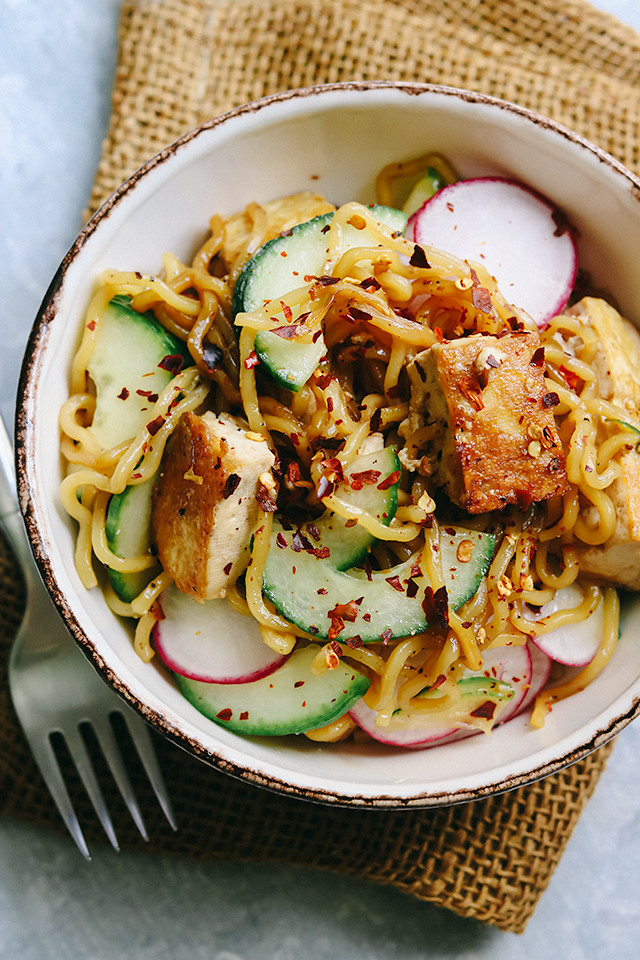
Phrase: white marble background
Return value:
(56, 68)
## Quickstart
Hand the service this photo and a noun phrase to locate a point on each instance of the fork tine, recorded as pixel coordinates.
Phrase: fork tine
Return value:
(142, 739)
(45, 757)
(104, 732)
(80, 757)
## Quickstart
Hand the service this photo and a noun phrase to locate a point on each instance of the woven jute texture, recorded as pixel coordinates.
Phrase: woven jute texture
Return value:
(184, 61)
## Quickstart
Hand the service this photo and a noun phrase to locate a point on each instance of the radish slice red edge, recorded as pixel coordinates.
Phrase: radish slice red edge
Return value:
(211, 641)
(522, 239)
(512, 664)
(572, 644)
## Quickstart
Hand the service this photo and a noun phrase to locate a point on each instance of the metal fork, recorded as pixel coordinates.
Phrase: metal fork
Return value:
(55, 690)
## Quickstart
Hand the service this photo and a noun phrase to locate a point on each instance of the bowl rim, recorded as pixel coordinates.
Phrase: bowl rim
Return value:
(24, 418)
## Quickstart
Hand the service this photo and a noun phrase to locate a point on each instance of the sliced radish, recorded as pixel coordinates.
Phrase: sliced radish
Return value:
(211, 641)
(517, 234)
(292, 699)
(540, 672)
(574, 644)
(512, 665)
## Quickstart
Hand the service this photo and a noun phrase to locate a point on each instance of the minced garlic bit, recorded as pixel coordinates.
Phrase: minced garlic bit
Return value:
(535, 448)
(267, 480)
(504, 586)
(427, 503)
(464, 551)
(194, 477)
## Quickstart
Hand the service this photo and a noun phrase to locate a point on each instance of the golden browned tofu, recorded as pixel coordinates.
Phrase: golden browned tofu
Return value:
(204, 505)
(617, 368)
(276, 216)
(498, 436)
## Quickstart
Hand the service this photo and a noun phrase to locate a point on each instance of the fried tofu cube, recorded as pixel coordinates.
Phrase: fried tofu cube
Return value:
(617, 368)
(205, 509)
(499, 440)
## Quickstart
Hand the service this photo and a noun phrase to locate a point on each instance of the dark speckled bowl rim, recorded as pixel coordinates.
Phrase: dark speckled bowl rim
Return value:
(27, 390)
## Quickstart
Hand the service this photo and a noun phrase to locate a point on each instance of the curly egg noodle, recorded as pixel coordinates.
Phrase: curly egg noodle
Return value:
(385, 304)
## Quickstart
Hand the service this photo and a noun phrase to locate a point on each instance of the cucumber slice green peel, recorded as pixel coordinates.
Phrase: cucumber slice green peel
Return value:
(291, 700)
(134, 359)
(306, 588)
(128, 369)
(280, 267)
(349, 545)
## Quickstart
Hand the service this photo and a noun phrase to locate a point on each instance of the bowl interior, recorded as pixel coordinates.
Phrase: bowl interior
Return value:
(334, 141)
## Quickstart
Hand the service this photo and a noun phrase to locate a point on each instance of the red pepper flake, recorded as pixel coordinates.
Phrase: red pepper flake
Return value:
(91, 325)
(396, 583)
(225, 714)
(155, 425)
(299, 683)
(412, 588)
(227, 569)
(366, 617)
(376, 420)
(355, 314)
(232, 483)
(571, 379)
(124, 393)
(322, 553)
(473, 394)
(283, 253)
(354, 642)
(316, 336)
(419, 258)
(334, 466)
(436, 607)
(439, 337)
(337, 649)
(266, 501)
(148, 394)
(281, 541)
(416, 570)
(480, 296)
(322, 591)
(295, 439)
(347, 611)
(286, 309)
(358, 480)
(173, 363)
(386, 635)
(157, 611)
(325, 487)
(389, 481)
(244, 715)
(370, 283)
(337, 625)
(486, 710)
(368, 569)
(537, 358)
(323, 380)
(300, 542)
(287, 333)
(550, 399)
(252, 360)
(328, 281)
(313, 531)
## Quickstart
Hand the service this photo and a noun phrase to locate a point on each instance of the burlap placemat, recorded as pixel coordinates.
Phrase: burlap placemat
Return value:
(182, 61)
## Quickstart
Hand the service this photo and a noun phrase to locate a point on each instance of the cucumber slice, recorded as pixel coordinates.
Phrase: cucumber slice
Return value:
(349, 545)
(279, 267)
(124, 367)
(305, 588)
(128, 532)
(290, 700)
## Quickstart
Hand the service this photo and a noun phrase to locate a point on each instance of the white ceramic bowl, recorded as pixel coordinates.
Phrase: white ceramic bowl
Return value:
(334, 140)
